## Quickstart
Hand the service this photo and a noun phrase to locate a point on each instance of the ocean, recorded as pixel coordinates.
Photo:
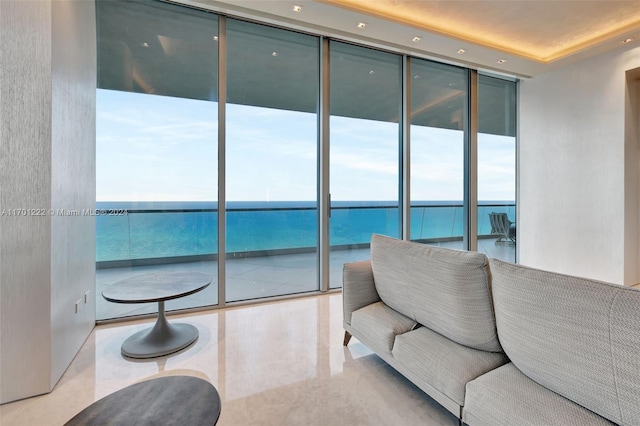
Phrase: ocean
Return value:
(153, 230)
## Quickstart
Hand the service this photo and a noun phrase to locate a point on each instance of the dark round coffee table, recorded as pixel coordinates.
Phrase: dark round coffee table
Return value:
(174, 400)
(164, 337)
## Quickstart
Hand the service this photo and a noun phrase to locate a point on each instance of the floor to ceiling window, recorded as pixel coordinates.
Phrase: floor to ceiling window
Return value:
(497, 227)
(271, 161)
(365, 98)
(156, 147)
(438, 100)
(159, 143)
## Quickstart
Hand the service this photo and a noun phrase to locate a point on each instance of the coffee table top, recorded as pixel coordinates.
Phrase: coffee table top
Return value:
(174, 400)
(156, 287)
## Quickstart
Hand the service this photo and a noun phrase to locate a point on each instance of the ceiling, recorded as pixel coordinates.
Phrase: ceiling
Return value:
(522, 38)
(539, 30)
(158, 48)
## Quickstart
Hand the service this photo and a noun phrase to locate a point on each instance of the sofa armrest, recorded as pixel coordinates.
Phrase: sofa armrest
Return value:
(358, 288)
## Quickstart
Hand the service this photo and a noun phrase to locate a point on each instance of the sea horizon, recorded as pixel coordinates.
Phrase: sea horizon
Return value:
(206, 205)
(165, 229)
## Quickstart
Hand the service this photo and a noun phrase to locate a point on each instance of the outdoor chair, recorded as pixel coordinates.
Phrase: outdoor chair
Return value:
(503, 227)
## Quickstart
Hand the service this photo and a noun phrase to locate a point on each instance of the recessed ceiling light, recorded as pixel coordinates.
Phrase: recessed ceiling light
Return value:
(274, 54)
(628, 40)
(372, 72)
(215, 38)
(461, 51)
(361, 25)
(502, 61)
(297, 8)
(145, 44)
(416, 76)
(416, 39)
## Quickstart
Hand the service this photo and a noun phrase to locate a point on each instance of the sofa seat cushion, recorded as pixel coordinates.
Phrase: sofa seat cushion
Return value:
(377, 326)
(445, 290)
(505, 396)
(442, 364)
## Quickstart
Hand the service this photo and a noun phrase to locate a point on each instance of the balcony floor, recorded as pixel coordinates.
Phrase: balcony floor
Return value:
(254, 277)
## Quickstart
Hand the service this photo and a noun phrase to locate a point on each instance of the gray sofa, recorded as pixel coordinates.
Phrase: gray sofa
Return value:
(574, 347)
(427, 312)
(497, 343)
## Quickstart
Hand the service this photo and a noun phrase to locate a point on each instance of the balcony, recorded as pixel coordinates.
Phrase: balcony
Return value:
(271, 250)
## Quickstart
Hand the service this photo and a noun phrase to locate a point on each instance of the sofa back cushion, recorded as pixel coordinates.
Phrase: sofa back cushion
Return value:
(577, 337)
(445, 290)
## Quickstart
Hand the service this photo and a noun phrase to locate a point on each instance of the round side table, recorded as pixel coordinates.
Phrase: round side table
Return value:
(164, 337)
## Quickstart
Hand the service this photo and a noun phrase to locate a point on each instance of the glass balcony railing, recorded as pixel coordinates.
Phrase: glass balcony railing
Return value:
(174, 234)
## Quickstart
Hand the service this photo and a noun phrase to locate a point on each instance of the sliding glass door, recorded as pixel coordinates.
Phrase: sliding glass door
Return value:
(438, 100)
(271, 162)
(156, 148)
(364, 161)
(497, 227)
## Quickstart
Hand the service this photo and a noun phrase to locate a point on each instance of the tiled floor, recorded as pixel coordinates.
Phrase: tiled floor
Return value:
(275, 363)
(279, 363)
(254, 277)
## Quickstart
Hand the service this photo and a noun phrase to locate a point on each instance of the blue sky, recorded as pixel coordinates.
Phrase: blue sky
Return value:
(157, 148)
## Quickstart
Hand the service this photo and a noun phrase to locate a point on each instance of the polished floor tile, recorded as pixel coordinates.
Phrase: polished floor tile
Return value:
(278, 363)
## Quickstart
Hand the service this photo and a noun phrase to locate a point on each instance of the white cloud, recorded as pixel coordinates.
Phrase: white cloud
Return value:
(159, 148)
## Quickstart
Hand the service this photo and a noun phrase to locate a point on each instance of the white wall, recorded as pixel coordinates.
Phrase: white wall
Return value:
(632, 178)
(73, 178)
(47, 161)
(576, 174)
(25, 167)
